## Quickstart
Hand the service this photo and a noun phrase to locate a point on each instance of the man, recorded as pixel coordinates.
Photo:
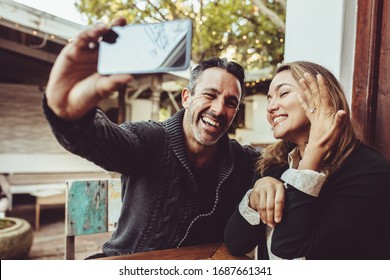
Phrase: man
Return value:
(182, 178)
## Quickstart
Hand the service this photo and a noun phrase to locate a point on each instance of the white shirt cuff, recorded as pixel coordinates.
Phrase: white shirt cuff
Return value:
(307, 181)
(249, 214)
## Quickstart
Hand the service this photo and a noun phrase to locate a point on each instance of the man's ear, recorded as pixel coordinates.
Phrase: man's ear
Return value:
(185, 96)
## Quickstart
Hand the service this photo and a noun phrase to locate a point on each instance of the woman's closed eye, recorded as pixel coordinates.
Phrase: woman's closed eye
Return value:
(284, 93)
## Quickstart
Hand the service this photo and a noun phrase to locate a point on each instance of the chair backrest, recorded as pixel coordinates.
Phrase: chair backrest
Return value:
(92, 206)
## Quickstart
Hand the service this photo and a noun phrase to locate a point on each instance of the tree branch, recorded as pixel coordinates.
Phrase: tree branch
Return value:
(282, 4)
(280, 24)
(174, 10)
(156, 9)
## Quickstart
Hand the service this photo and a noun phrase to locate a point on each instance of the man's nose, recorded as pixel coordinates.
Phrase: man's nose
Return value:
(218, 107)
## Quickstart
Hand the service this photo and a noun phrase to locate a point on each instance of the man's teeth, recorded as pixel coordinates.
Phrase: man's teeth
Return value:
(210, 121)
(279, 119)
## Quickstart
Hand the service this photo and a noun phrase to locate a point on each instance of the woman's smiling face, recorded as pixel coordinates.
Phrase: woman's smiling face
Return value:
(284, 113)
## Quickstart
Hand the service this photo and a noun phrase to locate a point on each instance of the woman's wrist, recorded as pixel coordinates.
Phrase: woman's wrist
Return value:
(312, 158)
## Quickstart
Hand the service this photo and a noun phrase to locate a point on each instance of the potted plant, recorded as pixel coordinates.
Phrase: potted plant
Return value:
(16, 238)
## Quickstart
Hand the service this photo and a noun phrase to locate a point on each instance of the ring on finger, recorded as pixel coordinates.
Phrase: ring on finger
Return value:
(311, 110)
(92, 45)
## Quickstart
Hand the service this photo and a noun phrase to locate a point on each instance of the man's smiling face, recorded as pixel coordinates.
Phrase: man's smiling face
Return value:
(212, 107)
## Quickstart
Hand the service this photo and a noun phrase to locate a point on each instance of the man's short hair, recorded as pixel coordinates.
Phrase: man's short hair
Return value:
(230, 66)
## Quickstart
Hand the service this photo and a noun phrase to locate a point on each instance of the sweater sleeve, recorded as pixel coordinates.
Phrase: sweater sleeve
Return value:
(241, 236)
(338, 223)
(94, 137)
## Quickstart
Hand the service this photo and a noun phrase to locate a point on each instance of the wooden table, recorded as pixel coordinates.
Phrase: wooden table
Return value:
(215, 251)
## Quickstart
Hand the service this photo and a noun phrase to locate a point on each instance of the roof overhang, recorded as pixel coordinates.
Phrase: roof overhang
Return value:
(30, 41)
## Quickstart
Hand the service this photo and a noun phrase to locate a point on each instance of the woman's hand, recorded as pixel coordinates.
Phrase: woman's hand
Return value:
(74, 85)
(326, 125)
(267, 198)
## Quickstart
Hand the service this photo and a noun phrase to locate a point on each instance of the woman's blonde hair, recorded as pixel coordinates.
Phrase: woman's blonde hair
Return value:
(277, 154)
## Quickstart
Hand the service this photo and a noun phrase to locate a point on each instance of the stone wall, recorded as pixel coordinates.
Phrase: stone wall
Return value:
(23, 127)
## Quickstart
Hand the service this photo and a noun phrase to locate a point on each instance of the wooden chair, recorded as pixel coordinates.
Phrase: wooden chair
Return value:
(92, 206)
(48, 188)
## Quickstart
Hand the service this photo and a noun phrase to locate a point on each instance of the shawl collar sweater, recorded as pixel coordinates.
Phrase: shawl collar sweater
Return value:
(159, 192)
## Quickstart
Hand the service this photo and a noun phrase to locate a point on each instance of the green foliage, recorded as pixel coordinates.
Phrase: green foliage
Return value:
(230, 28)
(5, 223)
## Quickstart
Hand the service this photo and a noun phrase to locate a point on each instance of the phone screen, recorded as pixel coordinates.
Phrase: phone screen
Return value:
(146, 48)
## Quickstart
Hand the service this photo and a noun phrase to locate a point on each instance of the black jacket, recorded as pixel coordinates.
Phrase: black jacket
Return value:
(349, 220)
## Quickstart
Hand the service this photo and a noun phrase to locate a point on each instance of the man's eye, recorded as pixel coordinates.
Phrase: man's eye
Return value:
(232, 105)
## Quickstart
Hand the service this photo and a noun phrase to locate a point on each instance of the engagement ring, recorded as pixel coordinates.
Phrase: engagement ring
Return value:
(91, 45)
(311, 110)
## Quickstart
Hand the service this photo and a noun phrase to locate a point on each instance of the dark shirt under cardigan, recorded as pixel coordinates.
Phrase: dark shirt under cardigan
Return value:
(163, 206)
(350, 219)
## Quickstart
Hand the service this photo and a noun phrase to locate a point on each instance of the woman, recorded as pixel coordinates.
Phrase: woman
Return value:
(335, 188)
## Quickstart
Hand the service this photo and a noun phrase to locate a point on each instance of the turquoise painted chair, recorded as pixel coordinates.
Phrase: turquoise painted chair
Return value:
(92, 206)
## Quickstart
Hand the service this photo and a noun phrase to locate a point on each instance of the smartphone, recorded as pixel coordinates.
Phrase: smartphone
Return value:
(146, 48)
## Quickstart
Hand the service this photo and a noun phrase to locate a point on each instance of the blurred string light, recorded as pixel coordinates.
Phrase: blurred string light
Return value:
(231, 51)
(252, 84)
(36, 33)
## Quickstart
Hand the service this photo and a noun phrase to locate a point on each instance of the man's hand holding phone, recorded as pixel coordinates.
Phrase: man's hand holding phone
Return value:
(101, 59)
(74, 85)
